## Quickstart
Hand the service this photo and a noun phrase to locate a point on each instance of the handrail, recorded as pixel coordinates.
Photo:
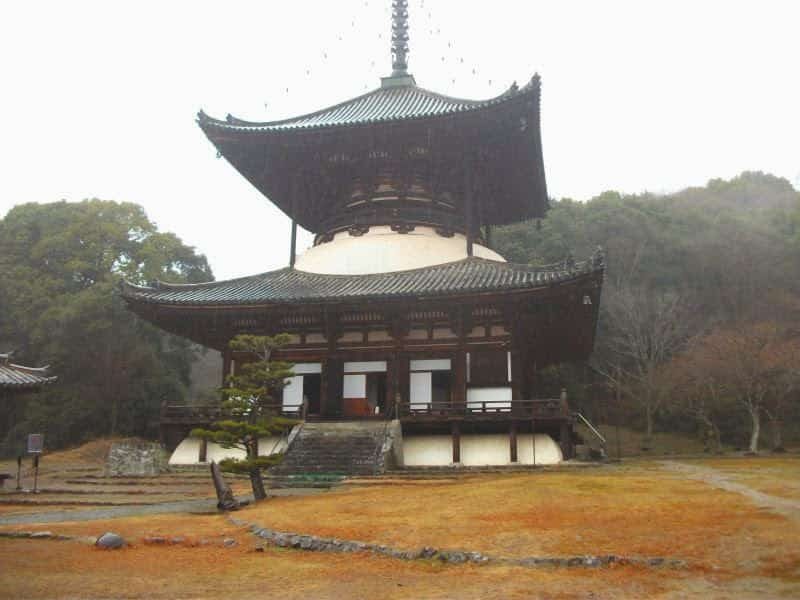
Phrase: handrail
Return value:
(547, 407)
(591, 427)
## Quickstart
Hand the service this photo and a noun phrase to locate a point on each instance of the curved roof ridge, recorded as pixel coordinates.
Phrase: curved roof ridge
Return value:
(375, 105)
(33, 370)
(163, 285)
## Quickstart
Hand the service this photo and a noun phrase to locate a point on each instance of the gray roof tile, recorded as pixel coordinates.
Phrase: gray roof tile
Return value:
(471, 275)
(19, 377)
(382, 104)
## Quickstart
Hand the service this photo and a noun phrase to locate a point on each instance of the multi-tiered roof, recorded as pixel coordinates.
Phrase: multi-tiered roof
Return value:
(397, 160)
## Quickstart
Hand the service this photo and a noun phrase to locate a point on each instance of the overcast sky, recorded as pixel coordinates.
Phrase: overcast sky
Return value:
(98, 99)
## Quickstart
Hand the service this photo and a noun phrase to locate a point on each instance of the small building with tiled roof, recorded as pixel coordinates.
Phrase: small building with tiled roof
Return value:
(16, 378)
(402, 309)
(16, 381)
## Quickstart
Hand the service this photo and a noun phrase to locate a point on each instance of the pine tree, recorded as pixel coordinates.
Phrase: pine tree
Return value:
(249, 405)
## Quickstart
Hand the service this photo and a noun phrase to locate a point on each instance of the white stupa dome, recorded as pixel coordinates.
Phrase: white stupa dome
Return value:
(381, 250)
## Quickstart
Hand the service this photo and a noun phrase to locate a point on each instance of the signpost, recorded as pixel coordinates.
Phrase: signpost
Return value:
(35, 447)
(35, 443)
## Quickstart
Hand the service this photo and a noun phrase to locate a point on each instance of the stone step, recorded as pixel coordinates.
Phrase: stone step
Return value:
(337, 449)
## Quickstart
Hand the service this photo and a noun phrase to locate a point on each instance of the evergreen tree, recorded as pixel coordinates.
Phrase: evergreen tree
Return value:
(250, 400)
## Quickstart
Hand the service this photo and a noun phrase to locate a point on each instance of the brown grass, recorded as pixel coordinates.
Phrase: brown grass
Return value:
(735, 549)
(67, 569)
(629, 511)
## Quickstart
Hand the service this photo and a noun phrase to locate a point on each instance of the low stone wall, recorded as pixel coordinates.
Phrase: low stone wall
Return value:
(313, 543)
(131, 458)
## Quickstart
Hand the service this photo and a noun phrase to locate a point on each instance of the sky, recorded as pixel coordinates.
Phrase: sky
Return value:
(98, 99)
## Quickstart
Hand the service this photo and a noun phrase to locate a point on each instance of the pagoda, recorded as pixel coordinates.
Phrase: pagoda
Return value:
(402, 311)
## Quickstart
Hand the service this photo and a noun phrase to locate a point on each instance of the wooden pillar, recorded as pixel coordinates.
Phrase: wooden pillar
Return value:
(293, 244)
(459, 377)
(293, 247)
(468, 202)
(203, 451)
(517, 375)
(226, 365)
(332, 379)
(456, 433)
(488, 230)
(565, 440)
(403, 377)
(512, 439)
(323, 387)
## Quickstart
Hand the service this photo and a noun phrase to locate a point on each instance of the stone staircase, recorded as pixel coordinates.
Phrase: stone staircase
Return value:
(323, 454)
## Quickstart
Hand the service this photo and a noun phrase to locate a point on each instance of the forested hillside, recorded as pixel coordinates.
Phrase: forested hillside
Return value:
(700, 316)
(60, 265)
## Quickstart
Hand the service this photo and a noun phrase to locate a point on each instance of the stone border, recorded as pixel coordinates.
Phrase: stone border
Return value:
(312, 543)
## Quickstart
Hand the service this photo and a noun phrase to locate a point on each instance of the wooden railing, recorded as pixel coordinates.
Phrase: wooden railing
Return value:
(549, 408)
(208, 413)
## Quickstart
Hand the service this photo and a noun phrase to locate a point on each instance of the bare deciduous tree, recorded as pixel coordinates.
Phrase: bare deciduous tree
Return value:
(643, 331)
(756, 365)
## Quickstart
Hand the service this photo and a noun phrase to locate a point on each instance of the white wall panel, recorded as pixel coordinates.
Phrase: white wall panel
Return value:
(373, 366)
(500, 397)
(420, 391)
(307, 368)
(293, 393)
(427, 450)
(479, 450)
(548, 452)
(355, 386)
(442, 364)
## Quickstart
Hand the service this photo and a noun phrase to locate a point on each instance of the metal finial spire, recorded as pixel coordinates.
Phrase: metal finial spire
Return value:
(399, 38)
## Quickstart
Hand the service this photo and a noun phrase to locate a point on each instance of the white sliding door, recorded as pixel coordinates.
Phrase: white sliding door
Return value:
(421, 391)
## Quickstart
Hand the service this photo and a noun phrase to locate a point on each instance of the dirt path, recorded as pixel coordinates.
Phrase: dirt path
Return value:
(111, 512)
(718, 479)
(204, 505)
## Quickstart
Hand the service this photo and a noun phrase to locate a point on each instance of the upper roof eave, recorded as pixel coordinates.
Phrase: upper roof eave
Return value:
(439, 105)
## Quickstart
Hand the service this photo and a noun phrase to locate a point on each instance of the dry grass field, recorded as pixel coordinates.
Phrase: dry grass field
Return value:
(735, 548)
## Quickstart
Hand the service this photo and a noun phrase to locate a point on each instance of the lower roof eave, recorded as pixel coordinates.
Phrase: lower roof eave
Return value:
(564, 285)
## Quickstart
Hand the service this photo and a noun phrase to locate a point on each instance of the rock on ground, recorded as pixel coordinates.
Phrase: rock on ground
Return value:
(110, 541)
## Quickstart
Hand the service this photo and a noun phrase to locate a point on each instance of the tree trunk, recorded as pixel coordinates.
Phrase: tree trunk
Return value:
(756, 431)
(717, 437)
(647, 443)
(257, 483)
(711, 434)
(225, 498)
